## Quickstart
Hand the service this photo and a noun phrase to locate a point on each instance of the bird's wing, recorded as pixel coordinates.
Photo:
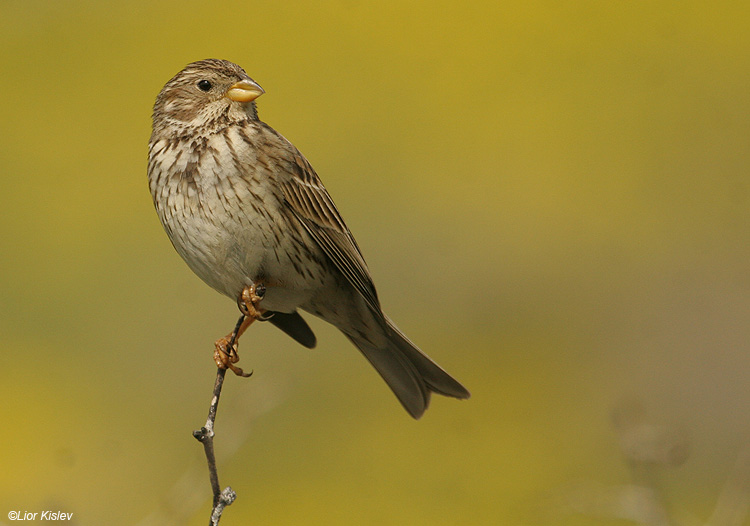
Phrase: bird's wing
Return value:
(310, 203)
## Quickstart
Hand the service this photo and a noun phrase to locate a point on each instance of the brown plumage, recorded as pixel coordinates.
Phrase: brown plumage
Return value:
(242, 205)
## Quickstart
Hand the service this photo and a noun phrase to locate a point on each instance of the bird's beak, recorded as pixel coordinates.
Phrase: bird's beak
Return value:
(244, 91)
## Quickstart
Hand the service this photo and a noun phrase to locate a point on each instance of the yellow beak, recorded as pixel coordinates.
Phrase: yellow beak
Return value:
(244, 91)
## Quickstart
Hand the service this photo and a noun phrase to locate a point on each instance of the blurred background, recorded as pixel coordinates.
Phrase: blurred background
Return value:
(552, 199)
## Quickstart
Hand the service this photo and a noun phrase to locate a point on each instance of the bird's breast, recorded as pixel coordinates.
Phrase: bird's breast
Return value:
(224, 215)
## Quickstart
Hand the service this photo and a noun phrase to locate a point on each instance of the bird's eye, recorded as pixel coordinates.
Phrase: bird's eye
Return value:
(204, 85)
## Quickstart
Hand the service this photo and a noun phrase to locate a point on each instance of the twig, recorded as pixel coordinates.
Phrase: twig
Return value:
(205, 435)
(183, 499)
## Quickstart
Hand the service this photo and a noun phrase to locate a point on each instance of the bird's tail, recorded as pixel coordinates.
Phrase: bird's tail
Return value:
(410, 373)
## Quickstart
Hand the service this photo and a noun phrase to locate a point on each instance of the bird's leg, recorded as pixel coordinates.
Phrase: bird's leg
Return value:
(225, 352)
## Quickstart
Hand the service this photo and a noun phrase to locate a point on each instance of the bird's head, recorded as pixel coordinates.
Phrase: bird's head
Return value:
(208, 94)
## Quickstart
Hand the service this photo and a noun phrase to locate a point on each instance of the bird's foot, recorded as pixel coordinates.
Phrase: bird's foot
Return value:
(249, 301)
(225, 351)
(225, 355)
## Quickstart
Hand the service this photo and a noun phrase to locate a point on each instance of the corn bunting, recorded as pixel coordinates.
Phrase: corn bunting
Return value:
(249, 215)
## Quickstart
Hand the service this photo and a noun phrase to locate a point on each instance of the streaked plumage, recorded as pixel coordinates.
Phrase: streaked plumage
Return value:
(241, 205)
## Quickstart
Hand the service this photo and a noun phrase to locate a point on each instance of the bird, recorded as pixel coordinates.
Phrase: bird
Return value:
(250, 216)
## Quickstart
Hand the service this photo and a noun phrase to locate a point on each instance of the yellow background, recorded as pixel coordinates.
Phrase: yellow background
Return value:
(552, 198)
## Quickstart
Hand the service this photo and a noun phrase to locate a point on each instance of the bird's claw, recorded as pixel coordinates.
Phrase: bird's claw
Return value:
(225, 357)
(250, 298)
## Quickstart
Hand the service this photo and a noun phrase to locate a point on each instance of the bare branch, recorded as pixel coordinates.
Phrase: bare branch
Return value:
(205, 435)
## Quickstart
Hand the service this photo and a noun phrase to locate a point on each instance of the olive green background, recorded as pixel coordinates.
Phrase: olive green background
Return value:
(553, 201)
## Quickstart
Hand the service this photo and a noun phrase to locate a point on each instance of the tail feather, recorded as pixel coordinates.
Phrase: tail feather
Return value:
(434, 376)
(294, 325)
(410, 374)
